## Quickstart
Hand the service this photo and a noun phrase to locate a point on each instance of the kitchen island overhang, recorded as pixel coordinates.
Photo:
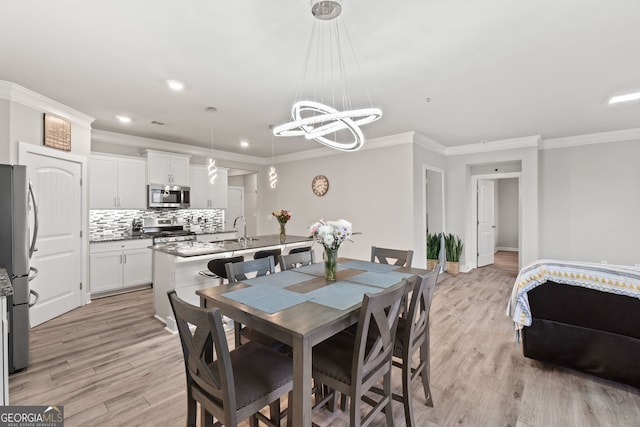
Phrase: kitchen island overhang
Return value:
(176, 266)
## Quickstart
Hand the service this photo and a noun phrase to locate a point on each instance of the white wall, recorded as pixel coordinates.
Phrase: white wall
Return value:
(459, 193)
(507, 190)
(372, 188)
(590, 200)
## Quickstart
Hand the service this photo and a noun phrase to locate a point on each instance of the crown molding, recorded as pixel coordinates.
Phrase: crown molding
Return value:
(503, 144)
(428, 143)
(591, 138)
(371, 144)
(158, 144)
(15, 93)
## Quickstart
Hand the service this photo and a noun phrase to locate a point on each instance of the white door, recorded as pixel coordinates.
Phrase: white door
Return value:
(486, 222)
(235, 207)
(58, 192)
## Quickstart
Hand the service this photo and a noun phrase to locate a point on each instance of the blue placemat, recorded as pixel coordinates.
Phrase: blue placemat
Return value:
(370, 266)
(340, 295)
(279, 280)
(382, 280)
(316, 269)
(266, 298)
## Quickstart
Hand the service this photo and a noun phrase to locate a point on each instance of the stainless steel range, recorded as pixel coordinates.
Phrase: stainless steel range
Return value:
(165, 230)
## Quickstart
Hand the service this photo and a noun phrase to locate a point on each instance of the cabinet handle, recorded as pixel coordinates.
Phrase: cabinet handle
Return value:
(121, 259)
(125, 258)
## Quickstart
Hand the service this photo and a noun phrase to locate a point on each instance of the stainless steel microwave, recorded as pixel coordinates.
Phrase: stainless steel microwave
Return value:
(168, 196)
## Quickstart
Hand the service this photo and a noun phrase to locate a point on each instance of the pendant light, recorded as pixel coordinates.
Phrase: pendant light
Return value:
(273, 175)
(212, 168)
(329, 111)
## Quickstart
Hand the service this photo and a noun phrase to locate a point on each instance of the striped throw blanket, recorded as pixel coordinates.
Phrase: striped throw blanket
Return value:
(616, 279)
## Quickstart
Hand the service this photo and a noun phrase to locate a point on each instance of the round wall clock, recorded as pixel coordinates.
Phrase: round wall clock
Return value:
(320, 185)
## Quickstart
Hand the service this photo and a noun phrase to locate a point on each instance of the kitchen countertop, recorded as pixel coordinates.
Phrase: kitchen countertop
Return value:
(120, 237)
(191, 249)
(5, 284)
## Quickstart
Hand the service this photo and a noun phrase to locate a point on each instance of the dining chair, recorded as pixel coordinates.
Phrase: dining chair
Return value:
(229, 385)
(237, 272)
(287, 262)
(216, 268)
(352, 365)
(399, 257)
(413, 336)
(275, 253)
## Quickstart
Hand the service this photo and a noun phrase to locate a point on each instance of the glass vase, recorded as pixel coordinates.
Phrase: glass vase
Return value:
(283, 233)
(330, 263)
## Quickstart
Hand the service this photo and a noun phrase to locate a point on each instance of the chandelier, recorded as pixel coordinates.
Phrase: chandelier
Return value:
(328, 115)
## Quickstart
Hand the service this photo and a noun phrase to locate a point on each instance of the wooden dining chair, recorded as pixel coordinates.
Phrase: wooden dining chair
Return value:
(353, 365)
(402, 258)
(239, 271)
(275, 253)
(229, 385)
(413, 336)
(288, 262)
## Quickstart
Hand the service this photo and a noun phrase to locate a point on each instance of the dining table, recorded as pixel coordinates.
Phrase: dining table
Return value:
(301, 308)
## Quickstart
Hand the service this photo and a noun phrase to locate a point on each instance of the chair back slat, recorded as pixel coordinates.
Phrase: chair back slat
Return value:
(401, 258)
(295, 260)
(203, 342)
(417, 315)
(376, 331)
(237, 271)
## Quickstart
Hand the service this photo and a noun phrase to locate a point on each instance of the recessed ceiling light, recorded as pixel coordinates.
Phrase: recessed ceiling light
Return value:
(124, 119)
(244, 144)
(175, 85)
(625, 98)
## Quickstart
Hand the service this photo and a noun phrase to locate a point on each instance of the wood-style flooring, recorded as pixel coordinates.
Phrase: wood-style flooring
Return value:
(110, 363)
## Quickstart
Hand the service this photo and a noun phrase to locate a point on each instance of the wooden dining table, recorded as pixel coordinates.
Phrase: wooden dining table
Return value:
(301, 308)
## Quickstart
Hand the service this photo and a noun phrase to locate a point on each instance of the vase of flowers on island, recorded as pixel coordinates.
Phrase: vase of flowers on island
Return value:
(282, 216)
(331, 234)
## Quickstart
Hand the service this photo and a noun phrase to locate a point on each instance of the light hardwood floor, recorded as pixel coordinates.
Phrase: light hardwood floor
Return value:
(110, 363)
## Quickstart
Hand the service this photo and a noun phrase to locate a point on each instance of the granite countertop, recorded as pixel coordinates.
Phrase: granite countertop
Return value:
(122, 237)
(5, 284)
(192, 249)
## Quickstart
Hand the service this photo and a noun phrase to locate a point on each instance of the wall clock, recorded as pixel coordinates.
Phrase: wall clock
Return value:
(320, 185)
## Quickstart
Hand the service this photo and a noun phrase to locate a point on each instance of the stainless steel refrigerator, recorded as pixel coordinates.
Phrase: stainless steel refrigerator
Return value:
(17, 244)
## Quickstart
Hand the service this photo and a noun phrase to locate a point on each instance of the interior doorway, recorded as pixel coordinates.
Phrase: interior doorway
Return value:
(496, 216)
(434, 205)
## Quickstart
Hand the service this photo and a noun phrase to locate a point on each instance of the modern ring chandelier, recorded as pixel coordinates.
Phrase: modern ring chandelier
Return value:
(316, 119)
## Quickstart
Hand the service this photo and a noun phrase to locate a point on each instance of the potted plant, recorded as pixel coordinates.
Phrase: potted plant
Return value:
(453, 247)
(433, 250)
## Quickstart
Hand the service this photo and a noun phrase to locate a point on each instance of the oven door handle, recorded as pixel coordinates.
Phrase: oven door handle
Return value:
(35, 294)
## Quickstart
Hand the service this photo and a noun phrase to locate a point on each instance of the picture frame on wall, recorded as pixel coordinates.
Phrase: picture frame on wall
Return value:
(57, 132)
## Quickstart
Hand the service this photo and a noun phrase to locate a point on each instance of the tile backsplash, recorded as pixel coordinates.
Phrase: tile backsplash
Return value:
(117, 223)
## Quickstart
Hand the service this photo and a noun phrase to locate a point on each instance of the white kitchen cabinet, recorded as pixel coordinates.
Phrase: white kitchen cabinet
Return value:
(205, 195)
(167, 168)
(4, 374)
(121, 265)
(117, 183)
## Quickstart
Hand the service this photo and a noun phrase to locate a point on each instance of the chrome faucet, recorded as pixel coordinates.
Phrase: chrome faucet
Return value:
(241, 238)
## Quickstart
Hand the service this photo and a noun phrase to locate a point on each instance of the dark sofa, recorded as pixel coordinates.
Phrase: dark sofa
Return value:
(585, 329)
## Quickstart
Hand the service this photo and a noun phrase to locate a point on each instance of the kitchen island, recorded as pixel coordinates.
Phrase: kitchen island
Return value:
(177, 266)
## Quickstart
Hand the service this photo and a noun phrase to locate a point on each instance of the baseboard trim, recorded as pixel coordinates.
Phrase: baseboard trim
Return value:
(505, 248)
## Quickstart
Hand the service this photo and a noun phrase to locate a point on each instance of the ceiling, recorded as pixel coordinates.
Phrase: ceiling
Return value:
(491, 70)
